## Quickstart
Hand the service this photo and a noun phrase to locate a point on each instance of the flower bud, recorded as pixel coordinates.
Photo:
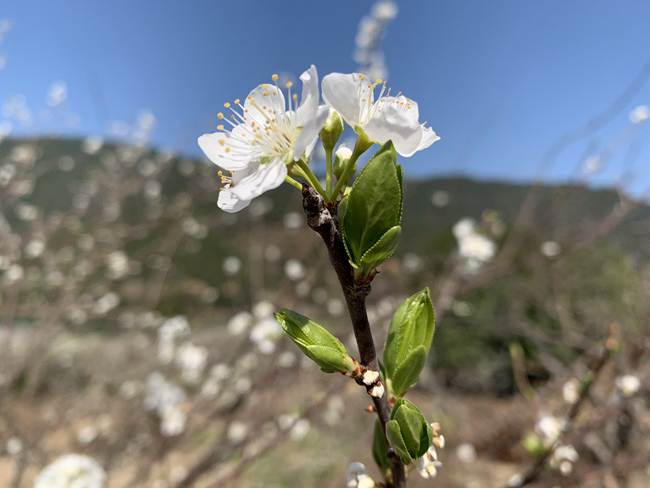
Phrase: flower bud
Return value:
(317, 343)
(332, 130)
(408, 432)
(342, 156)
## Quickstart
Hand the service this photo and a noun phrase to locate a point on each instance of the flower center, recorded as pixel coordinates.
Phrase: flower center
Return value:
(260, 129)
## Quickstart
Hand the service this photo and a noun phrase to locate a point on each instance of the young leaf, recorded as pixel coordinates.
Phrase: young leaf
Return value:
(382, 250)
(412, 326)
(374, 204)
(408, 372)
(316, 342)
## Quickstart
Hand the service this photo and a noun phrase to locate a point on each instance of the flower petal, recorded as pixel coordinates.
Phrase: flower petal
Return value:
(310, 97)
(399, 126)
(228, 202)
(310, 131)
(428, 138)
(226, 150)
(263, 103)
(343, 94)
(266, 177)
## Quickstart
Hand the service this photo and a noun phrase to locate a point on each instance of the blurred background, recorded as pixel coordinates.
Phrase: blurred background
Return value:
(135, 316)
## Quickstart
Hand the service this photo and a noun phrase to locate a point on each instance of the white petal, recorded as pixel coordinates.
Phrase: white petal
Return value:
(265, 178)
(264, 101)
(391, 123)
(344, 92)
(225, 150)
(228, 202)
(310, 97)
(310, 131)
(428, 138)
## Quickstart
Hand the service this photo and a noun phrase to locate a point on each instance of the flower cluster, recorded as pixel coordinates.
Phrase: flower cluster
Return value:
(474, 248)
(270, 139)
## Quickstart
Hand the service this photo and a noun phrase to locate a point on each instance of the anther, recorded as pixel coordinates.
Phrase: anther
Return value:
(289, 84)
(237, 102)
(226, 105)
(220, 115)
(220, 127)
(274, 77)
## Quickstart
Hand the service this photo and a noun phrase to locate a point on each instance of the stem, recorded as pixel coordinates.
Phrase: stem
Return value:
(323, 222)
(361, 146)
(292, 182)
(311, 177)
(328, 172)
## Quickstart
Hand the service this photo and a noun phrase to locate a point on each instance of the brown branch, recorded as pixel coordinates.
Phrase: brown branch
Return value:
(323, 221)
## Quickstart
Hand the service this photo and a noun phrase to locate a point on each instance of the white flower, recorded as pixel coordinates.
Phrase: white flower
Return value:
(563, 459)
(477, 247)
(463, 228)
(358, 477)
(549, 428)
(265, 137)
(628, 384)
(571, 391)
(388, 118)
(428, 464)
(466, 452)
(72, 470)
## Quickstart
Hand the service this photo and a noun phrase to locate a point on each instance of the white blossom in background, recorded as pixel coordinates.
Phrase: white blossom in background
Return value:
(628, 385)
(237, 432)
(13, 274)
(173, 329)
(358, 477)
(293, 221)
(466, 453)
(165, 398)
(563, 458)
(72, 471)
(239, 323)
(14, 446)
(300, 429)
(412, 263)
(92, 144)
(549, 428)
(117, 265)
(640, 114)
(265, 335)
(571, 391)
(287, 360)
(87, 434)
(474, 248)
(335, 307)
(231, 265)
(551, 249)
(192, 361)
(106, 303)
(592, 164)
(294, 270)
(440, 198)
(370, 32)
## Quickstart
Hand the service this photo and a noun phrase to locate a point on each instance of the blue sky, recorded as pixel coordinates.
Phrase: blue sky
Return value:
(518, 72)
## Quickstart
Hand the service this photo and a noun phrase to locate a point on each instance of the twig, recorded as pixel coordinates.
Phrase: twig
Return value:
(322, 221)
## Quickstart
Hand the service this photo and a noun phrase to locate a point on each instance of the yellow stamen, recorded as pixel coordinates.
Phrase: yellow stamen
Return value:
(289, 84)
(237, 101)
(274, 77)
(222, 142)
(220, 127)
(227, 149)
(226, 105)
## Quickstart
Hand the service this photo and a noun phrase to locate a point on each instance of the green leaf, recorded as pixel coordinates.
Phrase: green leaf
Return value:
(316, 342)
(382, 250)
(415, 433)
(394, 436)
(412, 325)
(379, 450)
(408, 372)
(374, 204)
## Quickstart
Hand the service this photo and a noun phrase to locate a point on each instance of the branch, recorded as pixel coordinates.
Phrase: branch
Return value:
(323, 221)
